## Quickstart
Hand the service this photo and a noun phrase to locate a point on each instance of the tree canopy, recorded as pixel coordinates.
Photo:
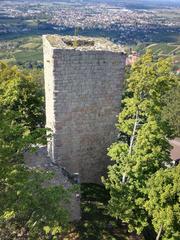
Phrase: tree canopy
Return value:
(163, 192)
(30, 207)
(171, 111)
(22, 94)
(142, 147)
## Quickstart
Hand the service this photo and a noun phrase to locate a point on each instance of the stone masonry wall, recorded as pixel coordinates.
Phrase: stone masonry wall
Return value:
(40, 160)
(83, 92)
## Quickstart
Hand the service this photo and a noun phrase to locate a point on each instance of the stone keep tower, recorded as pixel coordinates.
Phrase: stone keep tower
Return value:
(83, 88)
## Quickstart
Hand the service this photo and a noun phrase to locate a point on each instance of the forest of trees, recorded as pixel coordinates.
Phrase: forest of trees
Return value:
(144, 187)
(142, 182)
(24, 198)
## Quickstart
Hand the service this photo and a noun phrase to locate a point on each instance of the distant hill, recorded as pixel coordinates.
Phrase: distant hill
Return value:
(130, 3)
(27, 51)
(24, 51)
(160, 50)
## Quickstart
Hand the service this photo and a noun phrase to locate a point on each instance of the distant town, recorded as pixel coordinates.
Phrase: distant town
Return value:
(135, 26)
(115, 21)
(90, 119)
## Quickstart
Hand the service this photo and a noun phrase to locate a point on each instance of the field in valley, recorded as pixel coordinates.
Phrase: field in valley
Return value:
(28, 52)
(25, 51)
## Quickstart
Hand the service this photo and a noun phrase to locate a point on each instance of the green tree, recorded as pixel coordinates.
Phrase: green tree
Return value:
(171, 112)
(142, 147)
(163, 204)
(30, 207)
(23, 94)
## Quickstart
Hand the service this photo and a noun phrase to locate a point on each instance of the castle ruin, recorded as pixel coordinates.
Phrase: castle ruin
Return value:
(83, 89)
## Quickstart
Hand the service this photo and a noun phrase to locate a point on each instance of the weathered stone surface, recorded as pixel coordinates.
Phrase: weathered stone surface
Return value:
(83, 85)
(40, 160)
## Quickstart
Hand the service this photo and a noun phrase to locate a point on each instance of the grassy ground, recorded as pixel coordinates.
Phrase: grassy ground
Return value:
(22, 51)
(27, 51)
(168, 49)
(161, 50)
(96, 223)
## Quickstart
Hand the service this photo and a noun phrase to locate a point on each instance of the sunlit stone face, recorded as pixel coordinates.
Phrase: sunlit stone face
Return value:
(83, 85)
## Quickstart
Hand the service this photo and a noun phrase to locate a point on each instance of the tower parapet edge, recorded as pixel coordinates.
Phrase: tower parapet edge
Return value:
(83, 88)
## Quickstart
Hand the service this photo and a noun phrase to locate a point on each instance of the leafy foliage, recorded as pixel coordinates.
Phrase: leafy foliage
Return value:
(163, 202)
(171, 112)
(142, 147)
(31, 208)
(29, 205)
(22, 94)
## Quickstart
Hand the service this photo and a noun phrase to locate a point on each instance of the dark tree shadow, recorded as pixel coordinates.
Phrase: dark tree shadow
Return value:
(96, 223)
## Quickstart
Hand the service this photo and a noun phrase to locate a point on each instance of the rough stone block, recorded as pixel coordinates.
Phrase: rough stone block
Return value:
(83, 86)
